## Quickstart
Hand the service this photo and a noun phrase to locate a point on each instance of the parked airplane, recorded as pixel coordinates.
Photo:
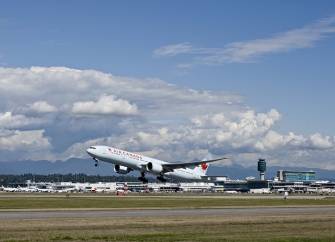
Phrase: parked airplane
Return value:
(126, 161)
(45, 188)
(231, 192)
(9, 189)
(100, 189)
(27, 189)
(66, 188)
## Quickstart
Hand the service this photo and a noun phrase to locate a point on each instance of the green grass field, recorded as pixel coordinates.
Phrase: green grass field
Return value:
(247, 227)
(110, 202)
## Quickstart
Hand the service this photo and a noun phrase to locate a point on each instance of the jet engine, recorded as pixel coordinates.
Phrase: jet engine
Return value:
(121, 169)
(153, 167)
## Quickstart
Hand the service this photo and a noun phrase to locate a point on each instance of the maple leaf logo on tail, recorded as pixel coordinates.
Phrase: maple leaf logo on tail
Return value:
(201, 169)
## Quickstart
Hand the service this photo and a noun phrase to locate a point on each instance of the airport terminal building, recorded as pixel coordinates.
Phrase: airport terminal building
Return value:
(296, 176)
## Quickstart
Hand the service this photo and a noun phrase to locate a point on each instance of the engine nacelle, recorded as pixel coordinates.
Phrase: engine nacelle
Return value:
(121, 169)
(153, 167)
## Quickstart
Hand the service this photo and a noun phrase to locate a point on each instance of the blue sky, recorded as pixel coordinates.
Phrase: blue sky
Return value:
(238, 78)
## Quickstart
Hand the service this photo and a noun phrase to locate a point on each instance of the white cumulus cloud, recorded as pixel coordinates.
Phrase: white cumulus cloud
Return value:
(9, 121)
(29, 141)
(42, 107)
(36, 109)
(106, 105)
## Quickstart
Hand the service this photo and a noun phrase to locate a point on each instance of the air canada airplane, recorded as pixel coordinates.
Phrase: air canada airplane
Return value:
(126, 162)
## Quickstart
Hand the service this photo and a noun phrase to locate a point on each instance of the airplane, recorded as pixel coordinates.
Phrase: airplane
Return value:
(100, 190)
(231, 192)
(9, 189)
(65, 189)
(27, 189)
(45, 188)
(126, 162)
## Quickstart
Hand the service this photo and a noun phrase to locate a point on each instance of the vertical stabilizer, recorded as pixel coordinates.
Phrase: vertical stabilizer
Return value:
(202, 169)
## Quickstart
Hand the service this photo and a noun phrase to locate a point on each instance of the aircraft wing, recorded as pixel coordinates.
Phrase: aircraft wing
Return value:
(172, 166)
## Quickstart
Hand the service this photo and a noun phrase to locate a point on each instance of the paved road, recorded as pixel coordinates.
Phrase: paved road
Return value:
(163, 212)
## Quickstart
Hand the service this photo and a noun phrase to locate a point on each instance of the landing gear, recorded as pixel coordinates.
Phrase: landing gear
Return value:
(142, 178)
(96, 162)
(161, 178)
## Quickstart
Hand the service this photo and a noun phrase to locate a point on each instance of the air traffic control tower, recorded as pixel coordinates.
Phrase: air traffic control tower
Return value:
(261, 168)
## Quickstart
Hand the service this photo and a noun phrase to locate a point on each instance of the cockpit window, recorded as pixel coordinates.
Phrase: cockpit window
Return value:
(92, 147)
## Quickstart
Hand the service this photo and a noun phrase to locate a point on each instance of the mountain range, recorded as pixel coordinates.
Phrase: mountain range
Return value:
(86, 166)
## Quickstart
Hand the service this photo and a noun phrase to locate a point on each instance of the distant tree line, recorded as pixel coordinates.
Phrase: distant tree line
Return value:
(9, 180)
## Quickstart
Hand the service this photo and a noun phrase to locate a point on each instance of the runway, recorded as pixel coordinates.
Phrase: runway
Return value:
(161, 212)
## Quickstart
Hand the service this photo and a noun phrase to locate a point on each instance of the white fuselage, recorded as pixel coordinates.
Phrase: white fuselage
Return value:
(139, 162)
(10, 189)
(27, 189)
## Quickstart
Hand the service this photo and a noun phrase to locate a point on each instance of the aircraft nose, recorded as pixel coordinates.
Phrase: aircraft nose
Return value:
(88, 152)
(91, 151)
